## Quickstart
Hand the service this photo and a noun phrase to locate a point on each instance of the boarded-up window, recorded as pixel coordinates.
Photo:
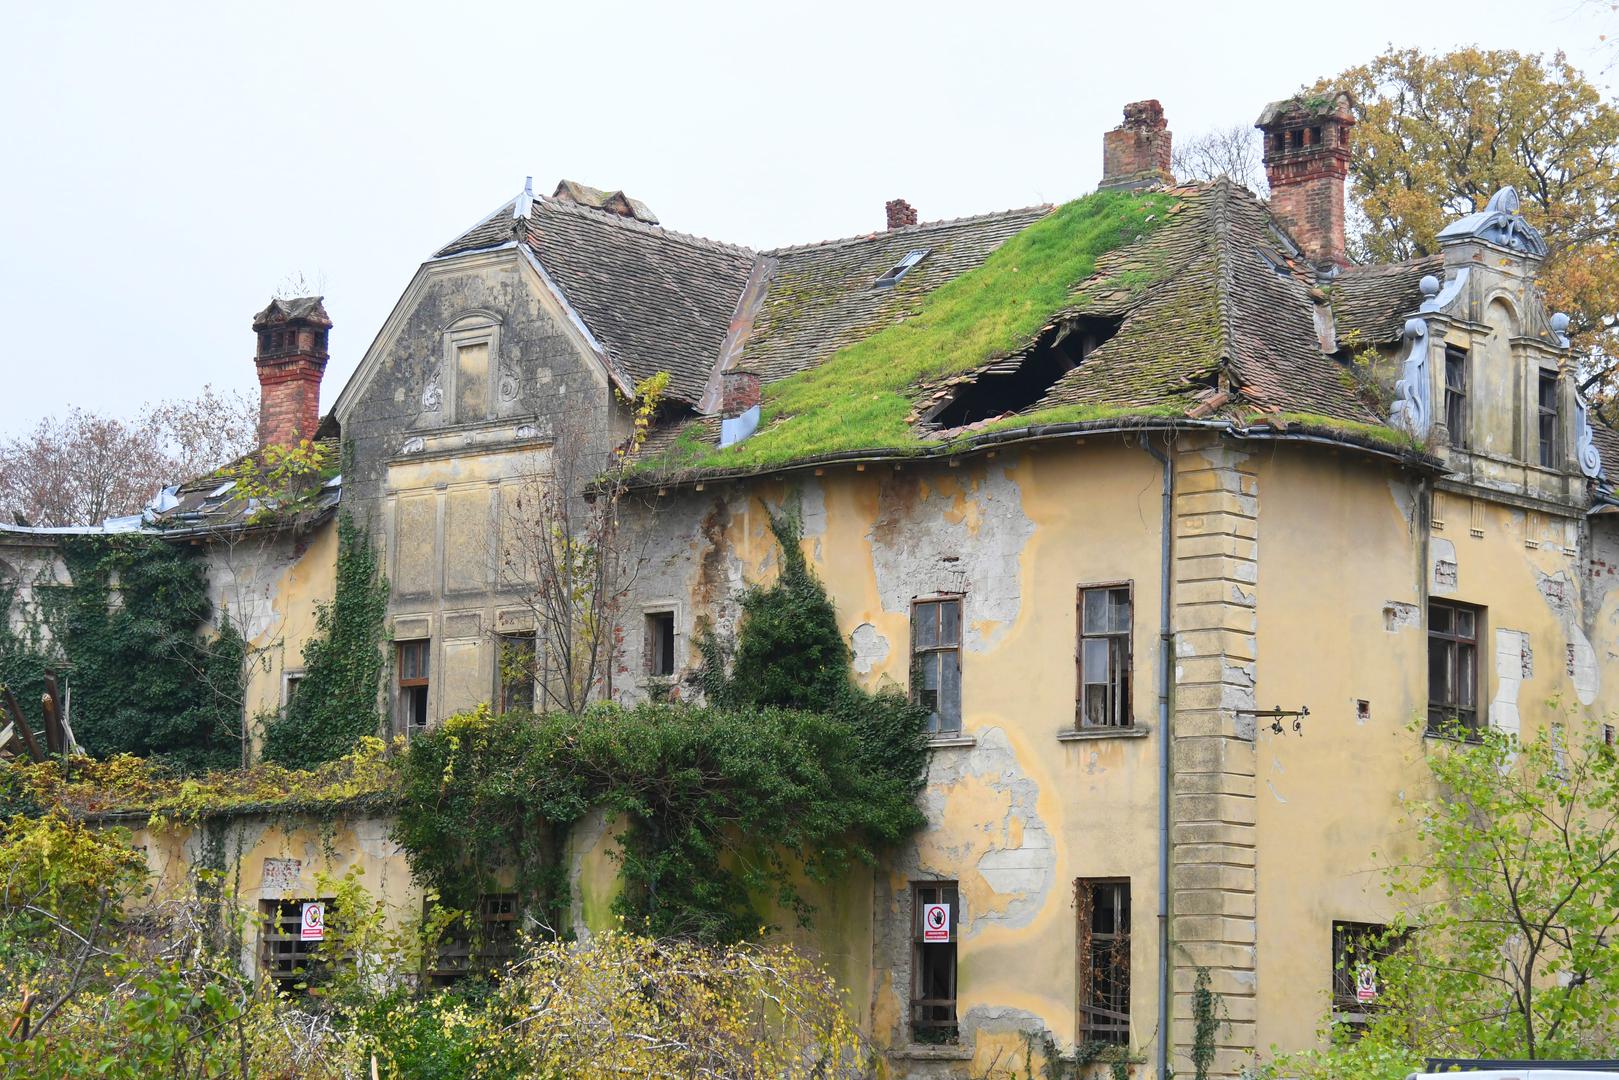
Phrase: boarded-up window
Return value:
(936, 662)
(1104, 961)
(289, 960)
(472, 382)
(479, 945)
(1104, 656)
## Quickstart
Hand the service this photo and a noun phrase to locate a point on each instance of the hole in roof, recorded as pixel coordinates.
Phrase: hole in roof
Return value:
(900, 269)
(1017, 383)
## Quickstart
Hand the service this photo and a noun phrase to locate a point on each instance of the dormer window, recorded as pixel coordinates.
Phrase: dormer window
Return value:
(1456, 395)
(1548, 419)
(900, 269)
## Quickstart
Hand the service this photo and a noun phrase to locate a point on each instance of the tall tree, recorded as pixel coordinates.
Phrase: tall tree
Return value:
(80, 468)
(1439, 134)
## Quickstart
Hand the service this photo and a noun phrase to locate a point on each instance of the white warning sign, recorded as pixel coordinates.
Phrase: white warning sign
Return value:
(312, 924)
(1366, 983)
(935, 922)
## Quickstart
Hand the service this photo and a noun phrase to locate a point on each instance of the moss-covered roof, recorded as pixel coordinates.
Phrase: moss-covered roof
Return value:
(1197, 303)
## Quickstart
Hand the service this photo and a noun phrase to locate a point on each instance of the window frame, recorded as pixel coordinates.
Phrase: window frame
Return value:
(419, 687)
(290, 681)
(1123, 713)
(1456, 403)
(942, 649)
(1548, 435)
(1455, 643)
(925, 955)
(1114, 1030)
(472, 328)
(661, 642)
(304, 961)
(460, 953)
(504, 686)
(1346, 1008)
(904, 266)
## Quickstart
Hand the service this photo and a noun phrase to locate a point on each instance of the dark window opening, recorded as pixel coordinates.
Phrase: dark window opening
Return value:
(936, 662)
(900, 269)
(1548, 419)
(1296, 137)
(480, 945)
(264, 341)
(1357, 949)
(293, 681)
(285, 957)
(413, 686)
(517, 672)
(1453, 632)
(1456, 395)
(1016, 383)
(1315, 136)
(1104, 961)
(933, 964)
(660, 644)
(1104, 656)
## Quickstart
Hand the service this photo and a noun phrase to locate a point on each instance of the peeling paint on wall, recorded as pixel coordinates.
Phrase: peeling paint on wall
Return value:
(1398, 615)
(1444, 576)
(868, 648)
(1513, 663)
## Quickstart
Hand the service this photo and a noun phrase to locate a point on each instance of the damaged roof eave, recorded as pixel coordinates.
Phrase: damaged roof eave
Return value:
(1037, 433)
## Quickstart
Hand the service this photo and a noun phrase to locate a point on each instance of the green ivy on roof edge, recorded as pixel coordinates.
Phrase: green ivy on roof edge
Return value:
(860, 398)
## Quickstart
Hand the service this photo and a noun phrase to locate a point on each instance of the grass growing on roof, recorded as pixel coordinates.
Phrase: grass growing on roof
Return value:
(859, 398)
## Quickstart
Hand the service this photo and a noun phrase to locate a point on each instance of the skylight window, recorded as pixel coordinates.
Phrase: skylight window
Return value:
(899, 269)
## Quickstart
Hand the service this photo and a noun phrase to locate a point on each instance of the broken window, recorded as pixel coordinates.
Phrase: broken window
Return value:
(472, 382)
(1357, 949)
(1018, 382)
(1104, 961)
(1456, 395)
(1548, 419)
(290, 683)
(1104, 656)
(413, 685)
(286, 956)
(517, 672)
(936, 662)
(899, 269)
(933, 960)
(479, 944)
(1453, 668)
(660, 644)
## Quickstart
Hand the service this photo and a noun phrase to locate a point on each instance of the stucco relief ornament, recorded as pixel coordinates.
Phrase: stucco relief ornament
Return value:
(508, 381)
(432, 392)
(1500, 223)
(1585, 447)
(1413, 409)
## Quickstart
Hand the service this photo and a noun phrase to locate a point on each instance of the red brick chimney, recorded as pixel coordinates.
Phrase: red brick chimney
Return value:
(900, 213)
(1306, 162)
(1136, 153)
(291, 359)
(740, 392)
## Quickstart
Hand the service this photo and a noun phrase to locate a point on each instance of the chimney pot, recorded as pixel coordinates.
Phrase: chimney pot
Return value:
(1307, 141)
(900, 213)
(291, 358)
(1136, 153)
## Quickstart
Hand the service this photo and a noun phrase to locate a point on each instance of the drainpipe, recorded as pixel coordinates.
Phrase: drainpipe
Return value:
(1165, 658)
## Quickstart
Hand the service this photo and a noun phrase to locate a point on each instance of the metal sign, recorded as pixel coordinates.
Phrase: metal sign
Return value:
(312, 924)
(1366, 983)
(935, 922)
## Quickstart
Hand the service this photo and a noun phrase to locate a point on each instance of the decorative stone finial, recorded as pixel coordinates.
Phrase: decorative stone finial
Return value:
(1429, 286)
(1560, 328)
(1501, 223)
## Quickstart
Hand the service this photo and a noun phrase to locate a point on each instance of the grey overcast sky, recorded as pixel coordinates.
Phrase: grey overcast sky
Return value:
(168, 166)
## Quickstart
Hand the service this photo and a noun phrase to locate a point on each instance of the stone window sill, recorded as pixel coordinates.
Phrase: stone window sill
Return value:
(932, 1052)
(945, 742)
(1135, 731)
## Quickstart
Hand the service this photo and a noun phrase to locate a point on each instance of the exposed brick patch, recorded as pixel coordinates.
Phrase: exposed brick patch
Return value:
(900, 213)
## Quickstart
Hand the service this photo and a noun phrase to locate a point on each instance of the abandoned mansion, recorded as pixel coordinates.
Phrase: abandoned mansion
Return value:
(1193, 535)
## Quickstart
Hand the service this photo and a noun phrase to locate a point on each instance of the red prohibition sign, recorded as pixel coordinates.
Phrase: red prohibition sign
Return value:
(936, 917)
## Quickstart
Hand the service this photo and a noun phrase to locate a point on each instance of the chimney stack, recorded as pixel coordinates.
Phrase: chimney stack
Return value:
(1306, 163)
(291, 359)
(900, 213)
(1136, 153)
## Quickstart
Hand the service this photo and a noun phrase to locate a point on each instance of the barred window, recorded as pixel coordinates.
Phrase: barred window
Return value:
(285, 957)
(480, 945)
(1104, 961)
(1357, 949)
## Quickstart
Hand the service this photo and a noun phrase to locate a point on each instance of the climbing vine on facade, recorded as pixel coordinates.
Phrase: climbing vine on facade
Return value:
(337, 702)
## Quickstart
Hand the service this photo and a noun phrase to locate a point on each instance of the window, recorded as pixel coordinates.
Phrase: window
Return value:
(660, 644)
(482, 945)
(292, 963)
(1456, 395)
(1357, 948)
(289, 688)
(1104, 961)
(517, 672)
(899, 269)
(413, 670)
(1453, 667)
(1548, 419)
(1104, 656)
(471, 382)
(933, 963)
(936, 662)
